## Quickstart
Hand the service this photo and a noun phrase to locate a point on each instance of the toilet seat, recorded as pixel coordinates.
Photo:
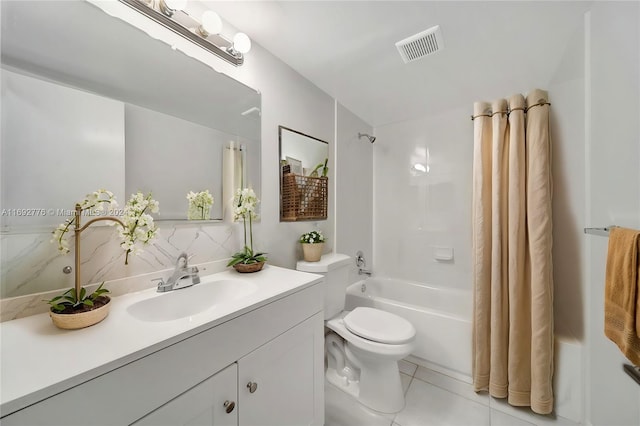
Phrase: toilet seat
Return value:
(379, 326)
(384, 349)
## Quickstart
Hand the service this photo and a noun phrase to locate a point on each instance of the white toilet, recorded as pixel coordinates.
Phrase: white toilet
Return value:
(365, 344)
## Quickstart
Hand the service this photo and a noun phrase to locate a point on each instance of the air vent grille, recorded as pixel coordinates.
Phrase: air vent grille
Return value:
(420, 45)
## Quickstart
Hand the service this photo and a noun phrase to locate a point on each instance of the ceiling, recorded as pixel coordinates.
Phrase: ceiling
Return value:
(347, 49)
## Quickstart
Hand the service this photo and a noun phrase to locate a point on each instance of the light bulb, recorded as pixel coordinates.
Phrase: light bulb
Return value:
(211, 22)
(176, 4)
(241, 43)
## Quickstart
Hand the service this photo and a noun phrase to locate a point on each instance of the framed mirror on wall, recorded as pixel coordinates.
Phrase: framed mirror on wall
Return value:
(304, 181)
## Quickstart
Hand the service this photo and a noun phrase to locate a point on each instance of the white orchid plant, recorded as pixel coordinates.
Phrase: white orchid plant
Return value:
(199, 205)
(138, 223)
(245, 203)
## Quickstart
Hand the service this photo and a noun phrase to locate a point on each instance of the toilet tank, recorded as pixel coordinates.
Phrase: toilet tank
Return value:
(335, 268)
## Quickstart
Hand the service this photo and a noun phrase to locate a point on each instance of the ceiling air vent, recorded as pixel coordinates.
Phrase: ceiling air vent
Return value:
(420, 45)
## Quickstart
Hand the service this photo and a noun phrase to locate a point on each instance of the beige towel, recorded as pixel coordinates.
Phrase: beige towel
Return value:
(622, 292)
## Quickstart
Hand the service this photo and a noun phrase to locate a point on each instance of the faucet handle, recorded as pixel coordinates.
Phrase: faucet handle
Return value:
(161, 283)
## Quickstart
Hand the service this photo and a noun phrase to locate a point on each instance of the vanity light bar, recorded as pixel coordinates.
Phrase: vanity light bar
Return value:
(184, 32)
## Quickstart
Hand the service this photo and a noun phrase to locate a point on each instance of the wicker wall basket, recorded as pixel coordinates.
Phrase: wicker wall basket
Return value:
(82, 319)
(303, 197)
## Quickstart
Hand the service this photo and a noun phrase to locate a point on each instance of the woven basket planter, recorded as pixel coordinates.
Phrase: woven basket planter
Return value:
(248, 267)
(312, 252)
(82, 319)
(303, 198)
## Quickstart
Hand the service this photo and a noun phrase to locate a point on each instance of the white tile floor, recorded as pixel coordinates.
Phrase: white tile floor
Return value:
(432, 399)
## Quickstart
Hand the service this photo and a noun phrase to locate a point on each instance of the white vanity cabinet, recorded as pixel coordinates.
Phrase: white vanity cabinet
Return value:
(275, 350)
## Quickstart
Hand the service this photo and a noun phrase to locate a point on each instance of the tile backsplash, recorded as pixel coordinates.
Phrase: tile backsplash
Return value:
(32, 267)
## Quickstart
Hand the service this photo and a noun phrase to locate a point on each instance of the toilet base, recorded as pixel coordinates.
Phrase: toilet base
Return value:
(381, 391)
(352, 387)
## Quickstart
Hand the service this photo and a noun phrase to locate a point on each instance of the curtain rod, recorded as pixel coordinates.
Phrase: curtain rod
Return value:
(473, 117)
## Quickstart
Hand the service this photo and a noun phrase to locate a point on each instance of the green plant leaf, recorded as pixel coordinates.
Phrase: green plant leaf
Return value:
(235, 261)
(87, 302)
(83, 293)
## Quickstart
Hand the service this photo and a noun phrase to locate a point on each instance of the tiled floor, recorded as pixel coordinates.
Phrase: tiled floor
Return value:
(432, 399)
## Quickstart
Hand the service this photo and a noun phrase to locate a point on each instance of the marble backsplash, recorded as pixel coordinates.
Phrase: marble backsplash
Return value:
(32, 267)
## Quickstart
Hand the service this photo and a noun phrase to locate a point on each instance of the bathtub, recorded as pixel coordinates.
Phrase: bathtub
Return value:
(441, 316)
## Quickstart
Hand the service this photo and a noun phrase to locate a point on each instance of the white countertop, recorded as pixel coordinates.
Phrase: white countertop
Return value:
(39, 360)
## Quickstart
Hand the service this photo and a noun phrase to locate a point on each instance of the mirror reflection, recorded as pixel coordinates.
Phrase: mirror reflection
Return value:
(303, 176)
(90, 102)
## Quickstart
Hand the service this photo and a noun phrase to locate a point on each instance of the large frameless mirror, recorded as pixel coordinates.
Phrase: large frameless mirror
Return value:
(90, 102)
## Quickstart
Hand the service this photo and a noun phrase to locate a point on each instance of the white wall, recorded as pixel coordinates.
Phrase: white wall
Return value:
(613, 194)
(290, 100)
(354, 189)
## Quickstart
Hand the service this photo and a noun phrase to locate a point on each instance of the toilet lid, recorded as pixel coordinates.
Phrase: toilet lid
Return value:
(379, 326)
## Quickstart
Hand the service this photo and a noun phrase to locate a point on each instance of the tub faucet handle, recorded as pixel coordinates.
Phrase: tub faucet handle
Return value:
(360, 261)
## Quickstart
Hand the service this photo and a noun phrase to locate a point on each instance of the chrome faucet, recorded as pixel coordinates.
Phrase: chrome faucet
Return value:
(183, 276)
(361, 263)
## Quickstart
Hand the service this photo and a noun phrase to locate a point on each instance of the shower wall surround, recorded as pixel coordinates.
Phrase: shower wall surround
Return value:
(422, 198)
(354, 177)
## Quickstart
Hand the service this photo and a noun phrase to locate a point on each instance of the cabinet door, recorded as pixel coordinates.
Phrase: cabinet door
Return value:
(211, 402)
(281, 382)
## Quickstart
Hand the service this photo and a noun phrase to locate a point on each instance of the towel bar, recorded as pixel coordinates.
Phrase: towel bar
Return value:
(604, 232)
(632, 371)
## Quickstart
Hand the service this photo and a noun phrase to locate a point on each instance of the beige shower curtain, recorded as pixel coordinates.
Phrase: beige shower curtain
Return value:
(512, 239)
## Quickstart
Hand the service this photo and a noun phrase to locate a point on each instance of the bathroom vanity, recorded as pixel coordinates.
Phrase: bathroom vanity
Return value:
(256, 359)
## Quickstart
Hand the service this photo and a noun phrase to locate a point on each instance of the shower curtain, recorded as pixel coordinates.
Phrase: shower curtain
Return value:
(512, 240)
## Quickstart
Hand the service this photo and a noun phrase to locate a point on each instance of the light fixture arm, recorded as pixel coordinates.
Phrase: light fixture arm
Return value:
(163, 17)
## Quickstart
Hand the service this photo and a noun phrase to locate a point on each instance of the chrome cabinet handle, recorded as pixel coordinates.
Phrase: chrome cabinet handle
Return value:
(252, 386)
(229, 406)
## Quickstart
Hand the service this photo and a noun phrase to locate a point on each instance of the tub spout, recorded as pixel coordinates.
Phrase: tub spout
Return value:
(364, 272)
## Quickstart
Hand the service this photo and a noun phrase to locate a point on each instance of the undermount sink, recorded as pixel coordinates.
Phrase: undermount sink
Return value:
(190, 301)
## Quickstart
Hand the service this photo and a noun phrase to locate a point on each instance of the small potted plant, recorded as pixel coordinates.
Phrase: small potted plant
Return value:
(245, 203)
(312, 245)
(74, 308)
(69, 311)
